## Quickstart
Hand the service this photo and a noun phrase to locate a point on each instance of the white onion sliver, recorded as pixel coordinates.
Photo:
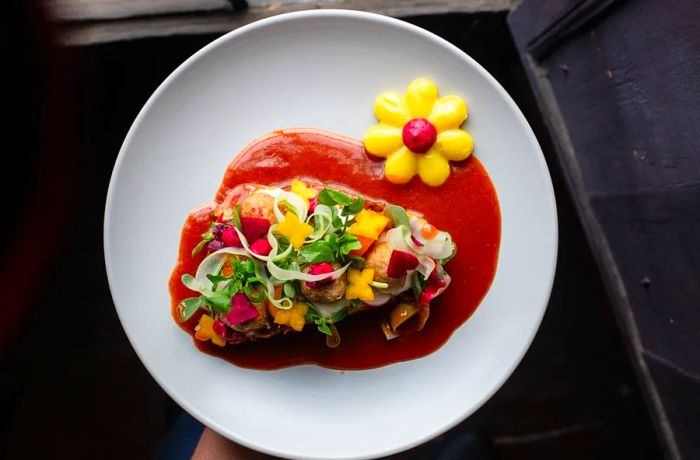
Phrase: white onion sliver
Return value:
(293, 201)
(211, 265)
(322, 214)
(380, 298)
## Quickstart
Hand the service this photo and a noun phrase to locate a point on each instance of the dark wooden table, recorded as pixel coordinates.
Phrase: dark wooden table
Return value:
(73, 387)
(616, 83)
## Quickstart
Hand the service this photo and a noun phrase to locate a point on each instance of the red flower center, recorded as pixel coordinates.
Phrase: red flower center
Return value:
(419, 135)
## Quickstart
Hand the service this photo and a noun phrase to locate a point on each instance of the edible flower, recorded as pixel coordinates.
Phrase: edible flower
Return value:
(369, 223)
(359, 287)
(241, 310)
(367, 227)
(303, 190)
(205, 331)
(419, 133)
(294, 317)
(295, 231)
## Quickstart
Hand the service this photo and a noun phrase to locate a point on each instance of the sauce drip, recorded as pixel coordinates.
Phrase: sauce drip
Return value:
(466, 206)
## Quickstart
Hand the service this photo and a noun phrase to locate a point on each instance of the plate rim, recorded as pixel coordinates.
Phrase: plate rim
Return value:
(396, 23)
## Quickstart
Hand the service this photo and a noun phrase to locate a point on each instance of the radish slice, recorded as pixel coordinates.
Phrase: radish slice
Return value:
(401, 262)
(380, 299)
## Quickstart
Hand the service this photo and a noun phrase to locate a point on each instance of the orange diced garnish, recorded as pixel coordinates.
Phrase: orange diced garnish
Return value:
(428, 231)
(365, 242)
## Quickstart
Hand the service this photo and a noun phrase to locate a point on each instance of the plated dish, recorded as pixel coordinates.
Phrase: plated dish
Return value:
(274, 261)
(324, 69)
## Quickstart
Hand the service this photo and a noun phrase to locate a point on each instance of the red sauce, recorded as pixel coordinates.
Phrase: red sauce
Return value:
(466, 206)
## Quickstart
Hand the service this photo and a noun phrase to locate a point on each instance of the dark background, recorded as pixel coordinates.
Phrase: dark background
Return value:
(71, 385)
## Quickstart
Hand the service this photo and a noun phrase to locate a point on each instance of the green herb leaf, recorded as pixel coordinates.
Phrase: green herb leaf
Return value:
(356, 206)
(357, 303)
(289, 290)
(189, 307)
(397, 214)
(357, 262)
(339, 315)
(323, 327)
(217, 278)
(331, 197)
(313, 314)
(197, 249)
(254, 295)
(417, 284)
(237, 217)
(347, 243)
(220, 301)
(320, 251)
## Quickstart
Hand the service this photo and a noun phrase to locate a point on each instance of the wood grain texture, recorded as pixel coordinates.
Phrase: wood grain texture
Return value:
(621, 100)
(129, 29)
(91, 10)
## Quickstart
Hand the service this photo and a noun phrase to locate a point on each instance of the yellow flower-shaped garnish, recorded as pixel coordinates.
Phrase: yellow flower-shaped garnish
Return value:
(359, 287)
(303, 190)
(368, 223)
(205, 331)
(418, 133)
(295, 231)
(294, 317)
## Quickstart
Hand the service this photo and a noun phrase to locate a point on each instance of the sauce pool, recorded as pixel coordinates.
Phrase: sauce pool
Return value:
(466, 206)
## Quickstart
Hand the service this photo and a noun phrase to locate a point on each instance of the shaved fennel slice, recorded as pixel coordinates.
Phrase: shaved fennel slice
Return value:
(292, 202)
(274, 244)
(211, 265)
(323, 219)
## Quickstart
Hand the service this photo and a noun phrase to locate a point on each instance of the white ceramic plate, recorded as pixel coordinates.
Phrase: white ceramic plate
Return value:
(320, 69)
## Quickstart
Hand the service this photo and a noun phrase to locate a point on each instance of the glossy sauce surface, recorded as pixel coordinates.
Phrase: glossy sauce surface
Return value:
(466, 206)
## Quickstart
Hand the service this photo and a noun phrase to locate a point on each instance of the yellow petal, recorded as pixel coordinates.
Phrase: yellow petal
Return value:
(390, 108)
(433, 168)
(400, 167)
(421, 94)
(381, 139)
(454, 144)
(448, 113)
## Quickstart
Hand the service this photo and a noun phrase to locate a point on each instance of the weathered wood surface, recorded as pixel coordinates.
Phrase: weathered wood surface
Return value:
(618, 88)
(87, 33)
(94, 10)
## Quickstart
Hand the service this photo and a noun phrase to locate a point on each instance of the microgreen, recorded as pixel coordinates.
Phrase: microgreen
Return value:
(188, 307)
(331, 197)
(330, 249)
(236, 217)
(322, 323)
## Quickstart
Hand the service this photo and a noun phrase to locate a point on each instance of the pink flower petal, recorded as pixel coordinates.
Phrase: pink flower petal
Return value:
(241, 310)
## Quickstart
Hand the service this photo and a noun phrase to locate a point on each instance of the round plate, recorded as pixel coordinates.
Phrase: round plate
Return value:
(321, 69)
